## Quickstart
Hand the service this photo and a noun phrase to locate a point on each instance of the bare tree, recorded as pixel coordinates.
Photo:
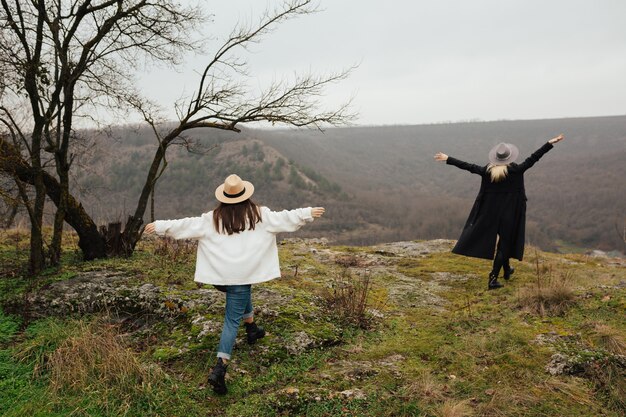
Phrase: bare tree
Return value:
(68, 58)
(224, 101)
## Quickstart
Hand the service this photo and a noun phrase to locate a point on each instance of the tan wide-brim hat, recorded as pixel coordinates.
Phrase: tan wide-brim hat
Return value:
(234, 190)
(503, 154)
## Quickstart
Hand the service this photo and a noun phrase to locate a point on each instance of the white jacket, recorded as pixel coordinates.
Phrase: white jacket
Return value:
(248, 257)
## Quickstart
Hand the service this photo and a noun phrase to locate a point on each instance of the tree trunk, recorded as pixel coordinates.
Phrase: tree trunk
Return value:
(90, 242)
(37, 260)
(132, 230)
(152, 205)
(14, 207)
(59, 219)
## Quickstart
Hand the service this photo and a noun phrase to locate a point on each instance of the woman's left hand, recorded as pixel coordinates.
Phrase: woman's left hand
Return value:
(557, 139)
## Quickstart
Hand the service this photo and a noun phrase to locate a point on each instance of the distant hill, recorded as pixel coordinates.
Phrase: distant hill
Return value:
(381, 183)
(110, 177)
(577, 192)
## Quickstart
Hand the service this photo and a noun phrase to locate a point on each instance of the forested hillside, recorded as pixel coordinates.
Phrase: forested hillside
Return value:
(111, 176)
(576, 193)
(380, 183)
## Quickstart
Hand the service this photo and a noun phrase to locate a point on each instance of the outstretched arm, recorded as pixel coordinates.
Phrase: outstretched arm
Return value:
(290, 220)
(532, 159)
(474, 169)
(188, 228)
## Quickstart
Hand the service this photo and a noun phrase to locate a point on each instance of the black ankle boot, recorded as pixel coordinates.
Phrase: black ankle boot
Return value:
(493, 283)
(217, 377)
(508, 273)
(254, 332)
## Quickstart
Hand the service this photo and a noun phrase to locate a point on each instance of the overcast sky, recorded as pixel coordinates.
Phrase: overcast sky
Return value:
(435, 61)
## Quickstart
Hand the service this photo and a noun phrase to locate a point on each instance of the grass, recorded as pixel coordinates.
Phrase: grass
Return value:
(548, 296)
(96, 357)
(609, 338)
(476, 355)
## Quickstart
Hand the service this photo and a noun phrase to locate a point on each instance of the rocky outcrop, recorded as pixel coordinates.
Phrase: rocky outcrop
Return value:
(113, 292)
(574, 357)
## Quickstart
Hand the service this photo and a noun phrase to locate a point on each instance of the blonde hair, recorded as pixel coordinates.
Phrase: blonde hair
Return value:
(497, 172)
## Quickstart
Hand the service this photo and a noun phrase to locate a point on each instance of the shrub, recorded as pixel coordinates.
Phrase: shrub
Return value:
(609, 377)
(347, 261)
(175, 250)
(551, 294)
(347, 299)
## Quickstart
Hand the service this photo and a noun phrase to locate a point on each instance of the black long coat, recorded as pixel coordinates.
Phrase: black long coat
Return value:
(499, 209)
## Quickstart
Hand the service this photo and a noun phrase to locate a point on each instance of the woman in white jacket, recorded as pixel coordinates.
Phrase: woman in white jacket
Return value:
(236, 248)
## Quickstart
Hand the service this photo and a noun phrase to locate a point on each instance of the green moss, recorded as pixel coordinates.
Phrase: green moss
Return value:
(164, 354)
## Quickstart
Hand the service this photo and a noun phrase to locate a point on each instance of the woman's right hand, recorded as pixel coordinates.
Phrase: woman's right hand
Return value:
(149, 229)
(441, 157)
(317, 211)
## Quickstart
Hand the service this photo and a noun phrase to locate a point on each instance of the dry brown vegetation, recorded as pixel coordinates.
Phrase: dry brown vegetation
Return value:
(174, 250)
(348, 297)
(456, 409)
(427, 388)
(609, 378)
(550, 294)
(96, 357)
(609, 338)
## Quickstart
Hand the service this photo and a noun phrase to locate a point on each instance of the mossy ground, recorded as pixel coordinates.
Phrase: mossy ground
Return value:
(463, 351)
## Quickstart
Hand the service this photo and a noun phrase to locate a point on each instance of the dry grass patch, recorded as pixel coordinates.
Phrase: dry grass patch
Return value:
(426, 388)
(550, 294)
(456, 409)
(95, 358)
(573, 388)
(347, 261)
(509, 400)
(609, 338)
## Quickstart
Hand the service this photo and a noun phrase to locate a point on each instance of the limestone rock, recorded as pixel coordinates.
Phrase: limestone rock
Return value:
(96, 291)
(300, 342)
(353, 394)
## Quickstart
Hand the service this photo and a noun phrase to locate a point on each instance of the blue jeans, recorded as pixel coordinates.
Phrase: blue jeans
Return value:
(238, 306)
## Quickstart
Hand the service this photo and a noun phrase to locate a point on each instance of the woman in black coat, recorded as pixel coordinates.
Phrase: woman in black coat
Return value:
(499, 212)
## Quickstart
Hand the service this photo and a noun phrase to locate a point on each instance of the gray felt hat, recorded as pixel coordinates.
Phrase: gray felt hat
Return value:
(503, 154)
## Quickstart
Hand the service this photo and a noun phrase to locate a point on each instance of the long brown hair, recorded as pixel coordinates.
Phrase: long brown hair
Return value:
(235, 218)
